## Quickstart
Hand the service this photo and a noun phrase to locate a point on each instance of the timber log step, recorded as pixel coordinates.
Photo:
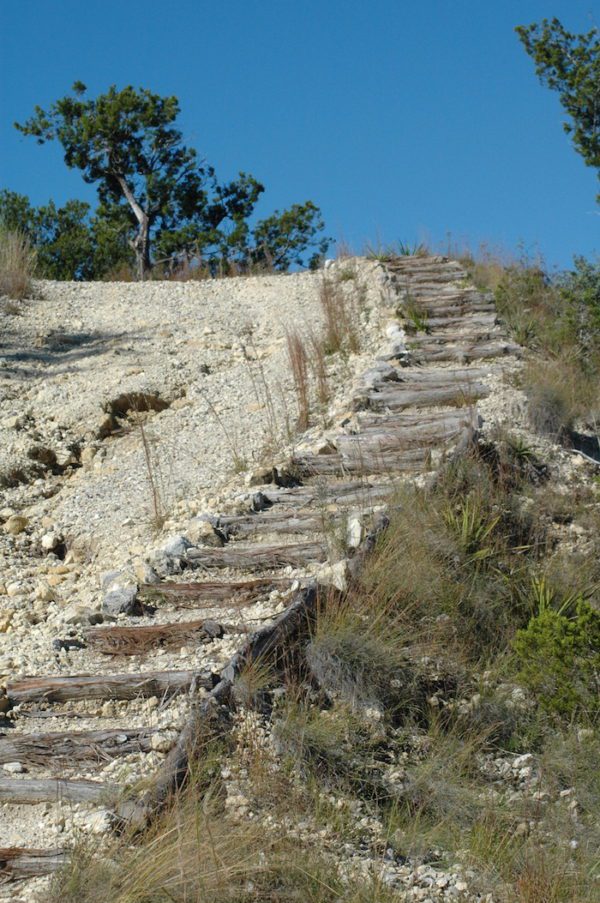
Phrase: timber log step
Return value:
(106, 686)
(69, 746)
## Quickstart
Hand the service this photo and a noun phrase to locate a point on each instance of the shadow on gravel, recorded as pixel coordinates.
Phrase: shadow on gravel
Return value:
(60, 349)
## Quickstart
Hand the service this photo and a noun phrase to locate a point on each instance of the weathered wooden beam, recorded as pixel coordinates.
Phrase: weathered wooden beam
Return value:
(41, 790)
(17, 863)
(401, 422)
(275, 521)
(411, 376)
(74, 746)
(230, 592)
(138, 640)
(467, 352)
(421, 395)
(358, 492)
(367, 459)
(255, 557)
(105, 686)
(466, 318)
(463, 337)
(399, 437)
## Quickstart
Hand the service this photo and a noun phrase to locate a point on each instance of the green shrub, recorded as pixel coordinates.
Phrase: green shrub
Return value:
(559, 659)
(580, 291)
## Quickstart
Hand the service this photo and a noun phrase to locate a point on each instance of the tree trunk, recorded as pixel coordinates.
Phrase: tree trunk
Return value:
(141, 246)
(141, 243)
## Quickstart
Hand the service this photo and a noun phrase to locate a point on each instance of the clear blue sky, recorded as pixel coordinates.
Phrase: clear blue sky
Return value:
(402, 120)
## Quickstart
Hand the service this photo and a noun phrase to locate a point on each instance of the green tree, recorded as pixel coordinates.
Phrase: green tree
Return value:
(282, 239)
(570, 64)
(70, 242)
(62, 236)
(150, 184)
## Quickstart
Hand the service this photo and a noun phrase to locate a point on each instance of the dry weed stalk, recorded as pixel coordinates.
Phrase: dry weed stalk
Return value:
(319, 368)
(239, 462)
(341, 332)
(154, 477)
(273, 427)
(298, 359)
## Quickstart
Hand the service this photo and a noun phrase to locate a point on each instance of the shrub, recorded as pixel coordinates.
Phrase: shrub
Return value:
(580, 290)
(17, 265)
(559, 659)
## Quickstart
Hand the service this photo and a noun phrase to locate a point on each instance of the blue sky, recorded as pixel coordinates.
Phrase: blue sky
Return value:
(401, 120)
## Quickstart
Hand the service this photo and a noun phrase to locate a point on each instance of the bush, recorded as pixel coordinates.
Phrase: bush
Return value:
(17, 265)
(559, 659)
(580, 290)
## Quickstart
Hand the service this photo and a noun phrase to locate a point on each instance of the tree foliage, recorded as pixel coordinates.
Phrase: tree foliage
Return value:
(71, 243)
(155, 192)
(570, 64)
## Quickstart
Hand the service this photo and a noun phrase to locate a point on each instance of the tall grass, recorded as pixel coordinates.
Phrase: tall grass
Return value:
(340, 317)
(17, 265)
(298, 360)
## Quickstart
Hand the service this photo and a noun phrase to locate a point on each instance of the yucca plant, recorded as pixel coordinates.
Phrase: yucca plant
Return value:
(472, 527)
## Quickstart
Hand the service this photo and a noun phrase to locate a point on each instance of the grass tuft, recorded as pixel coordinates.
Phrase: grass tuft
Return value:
(17, 265)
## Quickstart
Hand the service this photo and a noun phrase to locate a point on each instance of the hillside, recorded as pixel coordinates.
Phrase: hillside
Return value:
(291, 547)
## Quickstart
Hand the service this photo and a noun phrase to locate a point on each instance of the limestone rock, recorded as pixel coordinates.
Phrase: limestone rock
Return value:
(335, 575)
(202, 532)
(122, 601)
(16, 524)
(6, 616)
(51, 540)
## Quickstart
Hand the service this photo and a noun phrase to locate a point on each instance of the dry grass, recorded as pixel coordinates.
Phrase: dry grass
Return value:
(341, 331)
(155, 480)
(17, 265)
(318, 366)
(199, 853)
(298, 360)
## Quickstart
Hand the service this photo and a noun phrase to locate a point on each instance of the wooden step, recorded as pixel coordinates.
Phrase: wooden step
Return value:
(442, 421)
(211, 593)
(74, 746)
(41, 790)
(18, 863)
(430, 352)
(461, 336)
(427, 388)
(106, 686)
(256, 557)
(431, 276)
(334, 494)
(357, 458)
(446, 311)
(139, 640)
(398, 436)
(281, 521)
(437, 324)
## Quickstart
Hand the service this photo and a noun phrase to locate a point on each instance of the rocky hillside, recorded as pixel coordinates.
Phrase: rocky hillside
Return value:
(276, 539)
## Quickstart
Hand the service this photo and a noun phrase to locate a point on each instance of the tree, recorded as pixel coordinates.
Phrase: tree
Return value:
(69, 241)
(149, 182)
(61, 236)
(281, 239)
(570, 64)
